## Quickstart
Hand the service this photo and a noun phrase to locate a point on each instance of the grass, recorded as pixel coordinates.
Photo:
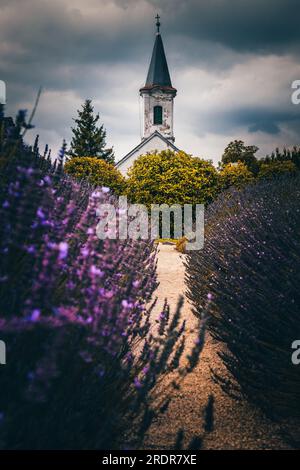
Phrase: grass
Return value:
(167, 240)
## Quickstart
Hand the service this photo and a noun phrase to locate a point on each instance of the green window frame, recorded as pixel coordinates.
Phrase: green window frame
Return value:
(157, 114)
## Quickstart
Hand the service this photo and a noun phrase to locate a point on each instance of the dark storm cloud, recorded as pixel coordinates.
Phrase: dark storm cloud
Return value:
(258, 119)
(42, 36)
(60, 45)
(243, 25)
(101, 49)
(45, 36)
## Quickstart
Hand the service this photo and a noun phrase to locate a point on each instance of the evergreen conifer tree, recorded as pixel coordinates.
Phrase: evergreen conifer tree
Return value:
(89, 140)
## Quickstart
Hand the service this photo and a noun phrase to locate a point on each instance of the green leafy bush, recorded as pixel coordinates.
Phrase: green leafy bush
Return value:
(172, 178)
(275, 168)
(237, 151)
(96, 171)
(235, 174)
(286, 154)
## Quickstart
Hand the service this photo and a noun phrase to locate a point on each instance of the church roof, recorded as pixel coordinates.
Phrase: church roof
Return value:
(158, 73)
(144, 142)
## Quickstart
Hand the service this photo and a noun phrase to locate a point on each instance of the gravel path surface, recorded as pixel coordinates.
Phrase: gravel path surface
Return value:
(237, 424)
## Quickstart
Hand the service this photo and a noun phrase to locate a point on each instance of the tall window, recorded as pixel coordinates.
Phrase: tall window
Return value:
(157, 115)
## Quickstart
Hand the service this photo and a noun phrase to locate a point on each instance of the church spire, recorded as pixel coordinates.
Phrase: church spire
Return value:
(158, 94)
(158, 73)
(157, 97)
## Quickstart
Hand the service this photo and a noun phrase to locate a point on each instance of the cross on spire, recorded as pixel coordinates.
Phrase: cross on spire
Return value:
(157, 22)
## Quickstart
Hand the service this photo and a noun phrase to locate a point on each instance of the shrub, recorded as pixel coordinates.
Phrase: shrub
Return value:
(237, 151)
(286, 154)
(98, 172)
(250, 268)
(74, 314)
(181, 245)
(275, 168)
(234, 174)
(171, 178)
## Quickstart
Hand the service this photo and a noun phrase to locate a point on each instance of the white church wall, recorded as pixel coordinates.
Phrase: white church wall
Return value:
(156, 143)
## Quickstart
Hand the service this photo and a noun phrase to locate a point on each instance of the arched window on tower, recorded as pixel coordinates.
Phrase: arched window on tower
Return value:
(157, 115)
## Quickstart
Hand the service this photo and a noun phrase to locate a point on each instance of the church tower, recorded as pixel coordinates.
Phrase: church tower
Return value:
(158, 97)
(158, 94)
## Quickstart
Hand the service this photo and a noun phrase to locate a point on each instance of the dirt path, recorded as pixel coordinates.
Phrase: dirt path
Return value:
(237, 425)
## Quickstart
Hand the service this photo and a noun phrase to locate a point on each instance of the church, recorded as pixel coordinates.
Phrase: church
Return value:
(158, 108)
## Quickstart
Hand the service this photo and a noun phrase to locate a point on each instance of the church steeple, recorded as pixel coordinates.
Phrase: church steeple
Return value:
(158, 105)
(158, 93)
(158, 73)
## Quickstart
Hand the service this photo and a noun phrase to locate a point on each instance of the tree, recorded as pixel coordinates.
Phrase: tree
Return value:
(98, 172)
(89, 139)
(285, 155)
(172, 178)
(276, 168)
(237, 151)
(235, 174)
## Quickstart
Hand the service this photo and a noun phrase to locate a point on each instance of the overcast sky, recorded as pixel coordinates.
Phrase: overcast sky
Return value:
(232, 62)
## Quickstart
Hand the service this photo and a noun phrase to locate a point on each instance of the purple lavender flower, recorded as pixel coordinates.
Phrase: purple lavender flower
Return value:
(40, 214)
(105, 189)
(96, 271)
(137, 383)
(63, 250)
(35, 315)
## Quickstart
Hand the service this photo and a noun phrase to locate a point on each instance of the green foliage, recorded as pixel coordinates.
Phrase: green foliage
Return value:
(171, 178)
(286, 154)
(275, 168)
(237, 151)
(89, 139)
(235, 174)
(96, 171)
